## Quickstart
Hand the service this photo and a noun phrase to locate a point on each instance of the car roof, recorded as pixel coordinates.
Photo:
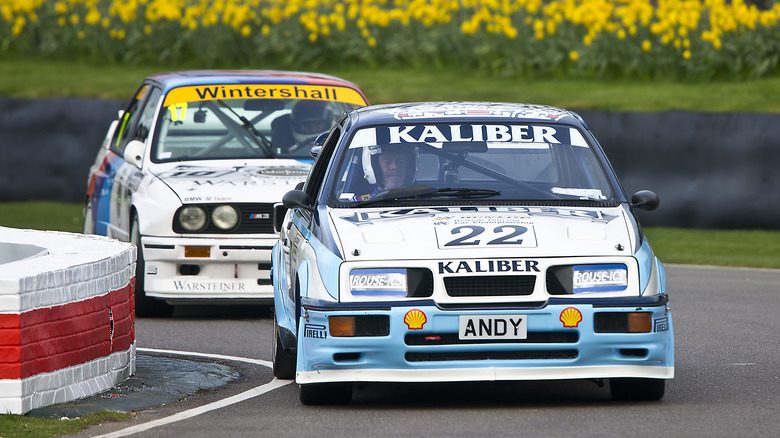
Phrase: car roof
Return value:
(175, 79)
(438, 112)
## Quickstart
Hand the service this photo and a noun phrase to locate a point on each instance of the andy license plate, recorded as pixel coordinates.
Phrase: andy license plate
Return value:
(493, 327)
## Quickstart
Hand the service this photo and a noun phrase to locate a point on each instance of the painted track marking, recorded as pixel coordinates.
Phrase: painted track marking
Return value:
(246, 395)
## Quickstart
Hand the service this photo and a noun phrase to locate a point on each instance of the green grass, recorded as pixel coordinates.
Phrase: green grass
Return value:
(27, 77)
(42, 215)
(747, 248)
(752, 248)
(15, 426)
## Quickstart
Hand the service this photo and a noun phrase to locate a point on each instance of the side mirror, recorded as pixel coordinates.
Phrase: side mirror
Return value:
(320, 140)
(297, 199)
(279, 211)
(315, 151)
(134, 153)
(645, 200)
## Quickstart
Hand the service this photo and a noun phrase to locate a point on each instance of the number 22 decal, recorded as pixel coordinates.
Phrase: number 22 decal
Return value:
(507, 235)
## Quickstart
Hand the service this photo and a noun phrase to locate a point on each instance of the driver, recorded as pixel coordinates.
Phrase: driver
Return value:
(388, 167)
(309, 119)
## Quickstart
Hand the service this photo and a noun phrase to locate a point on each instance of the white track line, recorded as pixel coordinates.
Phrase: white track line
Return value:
(264, 363)
(254, 392)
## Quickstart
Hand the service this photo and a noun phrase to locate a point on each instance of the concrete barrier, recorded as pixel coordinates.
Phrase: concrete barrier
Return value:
(67, 326)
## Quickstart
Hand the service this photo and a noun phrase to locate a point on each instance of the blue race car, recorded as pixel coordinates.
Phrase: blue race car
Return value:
(466, 241)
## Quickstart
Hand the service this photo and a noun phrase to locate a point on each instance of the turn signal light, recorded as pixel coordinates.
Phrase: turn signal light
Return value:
(197, 251)
(342, 325)
(623, 322)
(640, 322)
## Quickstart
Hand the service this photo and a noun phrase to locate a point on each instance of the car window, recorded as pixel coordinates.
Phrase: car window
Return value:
(146, 120)
(317, 174)
(128, 120)
(471, 161)
(202, 123)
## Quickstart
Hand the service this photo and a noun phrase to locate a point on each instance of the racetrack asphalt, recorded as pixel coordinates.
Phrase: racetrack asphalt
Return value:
(158, 380)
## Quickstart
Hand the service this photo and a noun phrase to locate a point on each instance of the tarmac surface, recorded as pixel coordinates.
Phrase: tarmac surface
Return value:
(158, 380)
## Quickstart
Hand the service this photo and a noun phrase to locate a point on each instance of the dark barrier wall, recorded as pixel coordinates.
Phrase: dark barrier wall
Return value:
(710, 170)
(47, 146)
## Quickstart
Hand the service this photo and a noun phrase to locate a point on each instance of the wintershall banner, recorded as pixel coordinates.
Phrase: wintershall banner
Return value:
(264, 91)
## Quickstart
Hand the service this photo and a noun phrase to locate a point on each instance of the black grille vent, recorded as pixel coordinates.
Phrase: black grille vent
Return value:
(490, 286)
(492, 355)
(253, 219)
(452, 339)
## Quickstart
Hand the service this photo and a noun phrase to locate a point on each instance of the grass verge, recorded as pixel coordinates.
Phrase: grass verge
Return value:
(742, 248)
(39, 78)
(15, 426)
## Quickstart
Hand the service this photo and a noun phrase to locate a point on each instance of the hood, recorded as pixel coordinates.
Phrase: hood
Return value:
(481, 232)
(237, 183)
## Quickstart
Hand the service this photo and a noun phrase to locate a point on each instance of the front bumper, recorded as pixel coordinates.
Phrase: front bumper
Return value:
(180, 270)
(551, 351)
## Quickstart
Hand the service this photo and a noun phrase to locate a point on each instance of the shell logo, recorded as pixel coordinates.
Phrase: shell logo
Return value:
(415, 319)
(571, 317)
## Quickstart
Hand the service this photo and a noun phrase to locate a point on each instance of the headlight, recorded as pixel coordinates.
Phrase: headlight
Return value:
(378, 283)
(224, 217)
(599, 278)
(192, 218)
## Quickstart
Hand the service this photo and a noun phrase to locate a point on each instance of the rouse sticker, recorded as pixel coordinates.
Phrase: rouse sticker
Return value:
(262, 91)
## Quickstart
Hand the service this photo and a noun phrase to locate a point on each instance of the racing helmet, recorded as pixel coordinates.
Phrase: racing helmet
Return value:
(310, 118)
(372, 171)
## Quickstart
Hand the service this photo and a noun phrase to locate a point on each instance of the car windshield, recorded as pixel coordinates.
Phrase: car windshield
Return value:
(434, 162)
(219, 127)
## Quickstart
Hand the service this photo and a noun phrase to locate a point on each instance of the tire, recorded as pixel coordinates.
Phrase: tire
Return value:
(145, 306)
(325, 393)
(284, 362)
(625, 389)
(89, 224)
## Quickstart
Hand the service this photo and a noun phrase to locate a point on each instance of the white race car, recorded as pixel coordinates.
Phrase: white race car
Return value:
(441, 242)
(190, 173)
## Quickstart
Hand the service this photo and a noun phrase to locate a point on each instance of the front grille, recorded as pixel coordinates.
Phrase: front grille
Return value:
(253, 219)
(452, 339)
(492, 355)
(490, 286)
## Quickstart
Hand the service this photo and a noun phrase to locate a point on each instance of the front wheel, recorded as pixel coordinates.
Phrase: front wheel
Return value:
(626, 389)
(284, 362)
(325, 393)
(144, 306)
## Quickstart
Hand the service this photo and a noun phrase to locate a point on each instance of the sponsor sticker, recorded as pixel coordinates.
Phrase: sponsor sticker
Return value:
(316, 331)
(571, 317)
(262, 91)
(661, 325)
(415, 319)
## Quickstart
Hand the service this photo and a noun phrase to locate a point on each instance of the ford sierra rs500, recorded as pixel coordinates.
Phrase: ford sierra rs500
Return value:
(446, 242)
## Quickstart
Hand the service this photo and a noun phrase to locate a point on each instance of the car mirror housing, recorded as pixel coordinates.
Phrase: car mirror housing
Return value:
(134, 153)
(645, 200)
(320, 140)
(297, 199)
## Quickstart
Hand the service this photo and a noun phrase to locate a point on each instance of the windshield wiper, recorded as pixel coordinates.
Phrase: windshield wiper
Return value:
(428, 192)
